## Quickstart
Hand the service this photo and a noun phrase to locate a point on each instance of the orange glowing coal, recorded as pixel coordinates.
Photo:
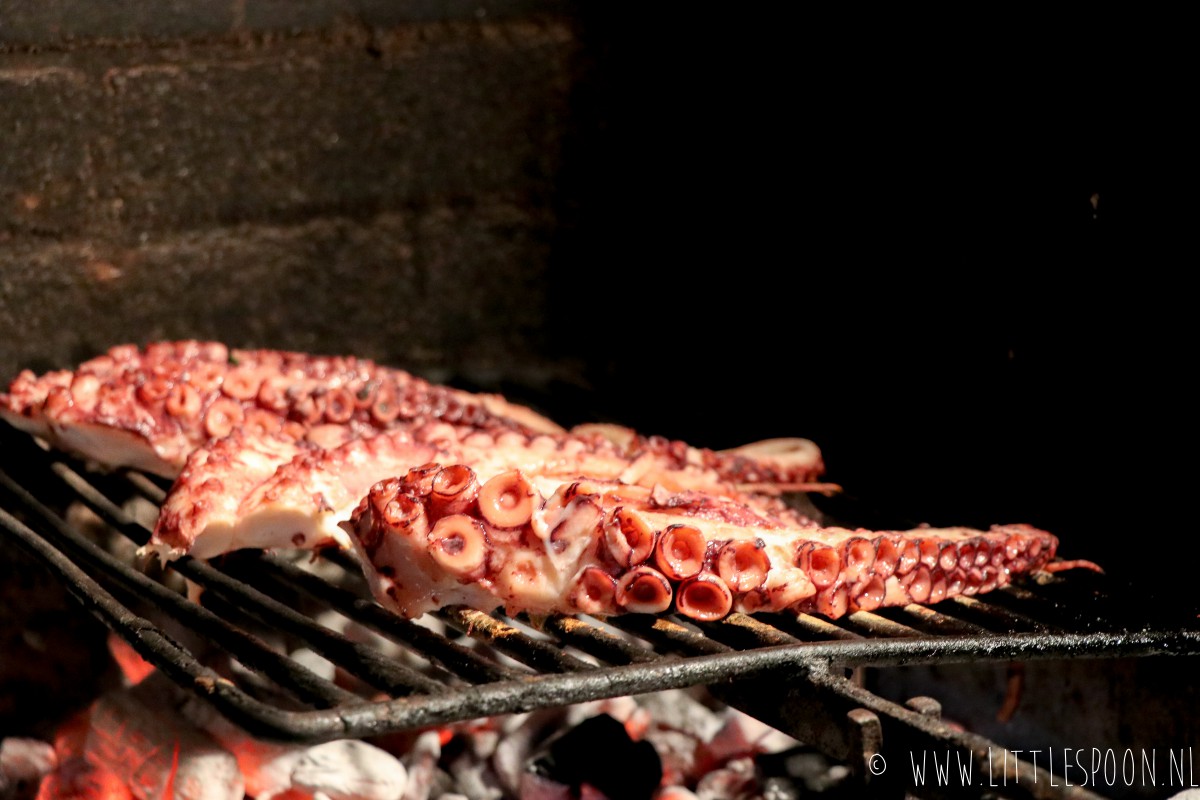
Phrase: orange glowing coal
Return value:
(133, 667)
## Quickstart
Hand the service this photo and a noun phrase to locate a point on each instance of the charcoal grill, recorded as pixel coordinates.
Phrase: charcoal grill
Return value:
(788, 671)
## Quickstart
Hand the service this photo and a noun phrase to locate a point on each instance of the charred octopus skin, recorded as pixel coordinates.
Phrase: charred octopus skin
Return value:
(150, 408)
(529, 543)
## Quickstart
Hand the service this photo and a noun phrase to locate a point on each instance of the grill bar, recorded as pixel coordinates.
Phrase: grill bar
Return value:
(989, 615)
(810, 628)
(484, 664)
(876, 625)
(542, 655)
(932, 622)
(596, 641)
(447, 654)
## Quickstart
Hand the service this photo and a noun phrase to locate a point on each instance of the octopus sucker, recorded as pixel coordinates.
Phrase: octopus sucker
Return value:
(909, 556)
(454, 490)
(629, 539)
(743, 564)
(594, 592)
(506, 501)
(858, 557)
(644, 590)
(919, 585)
(699, 556)
(459, 545)
(887, 556)
(704, 597)
(869, 594)
(680, 551)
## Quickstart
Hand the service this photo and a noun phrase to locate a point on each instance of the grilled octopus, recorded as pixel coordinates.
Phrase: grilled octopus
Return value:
(452, 497)
(441, 535)
(559, 523)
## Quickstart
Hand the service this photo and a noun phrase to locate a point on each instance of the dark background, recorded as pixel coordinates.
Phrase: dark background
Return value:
(886, 242)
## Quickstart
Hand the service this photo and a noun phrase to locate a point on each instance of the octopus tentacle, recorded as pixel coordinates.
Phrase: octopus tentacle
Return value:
(150, 408)
(467, 498)
(1079, 563)
(574, 551)
(321, 488)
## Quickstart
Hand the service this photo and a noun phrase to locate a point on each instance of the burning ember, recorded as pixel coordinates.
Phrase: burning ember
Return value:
(148, 739)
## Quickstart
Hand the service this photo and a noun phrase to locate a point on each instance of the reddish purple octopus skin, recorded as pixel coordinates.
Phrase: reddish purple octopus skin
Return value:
(150, 408)
(542, 546)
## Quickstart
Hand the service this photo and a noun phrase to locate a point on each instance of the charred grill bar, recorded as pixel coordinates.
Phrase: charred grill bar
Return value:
(801, 660)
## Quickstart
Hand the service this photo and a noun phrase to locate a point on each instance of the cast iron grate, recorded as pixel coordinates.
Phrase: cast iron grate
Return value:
(474, 664)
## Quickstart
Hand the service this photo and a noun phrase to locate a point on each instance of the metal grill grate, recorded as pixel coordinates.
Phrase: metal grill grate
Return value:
(483, 665)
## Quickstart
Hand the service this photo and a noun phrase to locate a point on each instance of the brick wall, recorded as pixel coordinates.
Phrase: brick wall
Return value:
(374, 178)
